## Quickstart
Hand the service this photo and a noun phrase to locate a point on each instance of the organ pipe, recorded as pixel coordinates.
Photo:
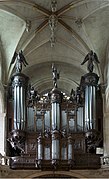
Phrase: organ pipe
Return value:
(70, 148)
(55, 145)
(90, 107)
(19, 82)
(40, 148)
(89, 83)
(55, 134)
(56, 98)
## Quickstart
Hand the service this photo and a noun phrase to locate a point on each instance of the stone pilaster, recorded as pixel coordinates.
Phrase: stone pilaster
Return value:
(2, 133)
(106, 122)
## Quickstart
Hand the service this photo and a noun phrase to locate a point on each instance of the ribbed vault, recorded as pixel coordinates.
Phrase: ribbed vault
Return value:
(72, 27)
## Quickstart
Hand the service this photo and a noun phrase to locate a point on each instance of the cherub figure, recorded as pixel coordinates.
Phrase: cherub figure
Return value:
(90, 57)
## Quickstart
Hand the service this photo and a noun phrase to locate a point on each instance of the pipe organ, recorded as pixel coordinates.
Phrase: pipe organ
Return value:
(54, 131)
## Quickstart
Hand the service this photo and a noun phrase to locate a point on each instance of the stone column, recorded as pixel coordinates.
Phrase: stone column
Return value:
(106, 134)
(2, 134)
(106, 122)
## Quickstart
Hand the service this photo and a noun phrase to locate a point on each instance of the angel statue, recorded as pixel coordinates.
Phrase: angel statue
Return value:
(20, 59)
(90, 57)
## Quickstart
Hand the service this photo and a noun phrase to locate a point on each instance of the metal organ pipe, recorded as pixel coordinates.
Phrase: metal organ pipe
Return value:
(70, 148)
(80, 125)
(15, 107)
(19, 82)
(55, 132)
(22, 113)
(55, 116)
(94, 107)
(90, 107)
(24, 107)
(89, 82)
(55, 145)
(19, 85)
(40, 148)
(18, 108)
(86, 109)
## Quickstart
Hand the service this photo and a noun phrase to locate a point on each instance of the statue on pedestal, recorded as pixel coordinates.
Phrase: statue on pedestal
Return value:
(90, 57)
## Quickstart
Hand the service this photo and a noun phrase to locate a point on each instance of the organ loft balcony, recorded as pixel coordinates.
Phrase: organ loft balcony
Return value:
(54, 130)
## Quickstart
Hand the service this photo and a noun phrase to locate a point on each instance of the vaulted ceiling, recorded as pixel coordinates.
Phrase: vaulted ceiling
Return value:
(49, 31)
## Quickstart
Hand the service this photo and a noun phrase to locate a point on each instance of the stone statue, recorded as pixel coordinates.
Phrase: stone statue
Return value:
(90, 57)
(20, 59)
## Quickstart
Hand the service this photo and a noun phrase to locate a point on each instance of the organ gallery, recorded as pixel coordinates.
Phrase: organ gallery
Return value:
(54, 89)
(54, 130)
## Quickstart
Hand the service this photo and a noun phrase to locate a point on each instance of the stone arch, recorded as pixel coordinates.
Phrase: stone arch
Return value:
(56, 174)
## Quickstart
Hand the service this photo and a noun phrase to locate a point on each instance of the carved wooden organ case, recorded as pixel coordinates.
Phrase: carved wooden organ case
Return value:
(53, 131)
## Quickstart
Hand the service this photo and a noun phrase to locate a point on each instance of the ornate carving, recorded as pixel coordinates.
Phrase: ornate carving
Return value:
(93, 140)
(40, 139)
(19, 80)
(32, 146)
(77, 96)
(90, 79)
(55, 164)
(55, 135)
(70, 140)
(53, 20)
(54, 6)
(56, 95)
(28, 25)
(33, 96)
(17, 139)
(55, 75)
(47, 133)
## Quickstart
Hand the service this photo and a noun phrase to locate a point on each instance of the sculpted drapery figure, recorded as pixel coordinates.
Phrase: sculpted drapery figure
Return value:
(20, 59)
